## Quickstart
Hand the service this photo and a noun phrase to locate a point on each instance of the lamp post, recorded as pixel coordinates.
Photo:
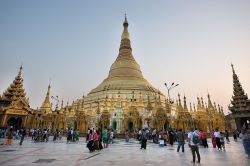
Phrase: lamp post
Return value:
(173, 85)
(54, 115)
(57, 101)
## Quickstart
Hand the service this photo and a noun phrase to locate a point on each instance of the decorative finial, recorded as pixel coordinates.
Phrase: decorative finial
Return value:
(125, 23)
(20, 70)
(232, 68)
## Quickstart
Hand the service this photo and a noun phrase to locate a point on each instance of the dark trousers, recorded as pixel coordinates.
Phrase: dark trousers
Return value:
(90, 145)
(195, 149)
(218, 143)
(21, 141)
(171, 140)
(100, 144)
(180, 144)
(204, 143)
(143, 143)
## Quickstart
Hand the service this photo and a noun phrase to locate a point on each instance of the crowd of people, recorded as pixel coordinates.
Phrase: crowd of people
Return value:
(98, 139)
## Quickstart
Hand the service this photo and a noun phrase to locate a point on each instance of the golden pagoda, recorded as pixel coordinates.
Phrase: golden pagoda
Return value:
(14, 106)
(122, 98)
(239, 106)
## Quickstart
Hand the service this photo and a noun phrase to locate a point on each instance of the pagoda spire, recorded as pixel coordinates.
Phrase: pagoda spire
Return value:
(179, 105)
(62, 105)
(185, 104)
(16, 90)
(190, 107)
(202, 104)
(199, 104)
(46, 105)
(194, 107)
(239, 98)
(125, 64)
(215, 108)
(210, 105)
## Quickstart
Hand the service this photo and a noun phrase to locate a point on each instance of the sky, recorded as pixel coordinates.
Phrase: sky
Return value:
(72, 44)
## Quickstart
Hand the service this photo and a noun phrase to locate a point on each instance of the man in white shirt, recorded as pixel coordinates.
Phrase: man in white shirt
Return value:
(193, 140)
(217, 138)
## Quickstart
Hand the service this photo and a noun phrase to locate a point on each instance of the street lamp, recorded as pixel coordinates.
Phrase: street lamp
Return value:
(173, 85)
(57, 101)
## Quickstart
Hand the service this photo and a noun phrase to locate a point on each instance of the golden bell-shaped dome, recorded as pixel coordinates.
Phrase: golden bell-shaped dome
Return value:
(125, 73)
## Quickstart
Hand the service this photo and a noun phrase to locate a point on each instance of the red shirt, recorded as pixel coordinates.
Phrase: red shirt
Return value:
(96, 137)
(203, 135)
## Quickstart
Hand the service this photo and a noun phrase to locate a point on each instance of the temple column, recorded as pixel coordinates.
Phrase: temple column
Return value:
(24, 121)
(4, 124)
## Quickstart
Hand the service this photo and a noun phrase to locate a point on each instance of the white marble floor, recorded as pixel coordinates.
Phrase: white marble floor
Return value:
(119, 153)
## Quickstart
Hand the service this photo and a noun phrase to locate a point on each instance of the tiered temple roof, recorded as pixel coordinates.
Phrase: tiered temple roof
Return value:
(15, 90)
(239, 100)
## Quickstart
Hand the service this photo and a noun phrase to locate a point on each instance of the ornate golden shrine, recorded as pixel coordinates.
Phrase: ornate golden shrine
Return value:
(125, 100)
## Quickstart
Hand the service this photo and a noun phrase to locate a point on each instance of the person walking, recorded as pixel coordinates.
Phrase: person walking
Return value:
(23, 134)
(227, 136)
(222, 142)
(235, 135)
(193, 139)
(111, 136)
(217, 136)
(171, 137)
(90, 143)
(105, 137)
(69, 136)
(9, 135)
(181, 140)
(127, 136)
(213, 139)
(96, 140)
(100, 138)
(144, 139)
(246, 141)
(203, 137)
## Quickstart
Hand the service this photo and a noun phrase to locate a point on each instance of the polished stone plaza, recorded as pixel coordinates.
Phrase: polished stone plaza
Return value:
(119, 153)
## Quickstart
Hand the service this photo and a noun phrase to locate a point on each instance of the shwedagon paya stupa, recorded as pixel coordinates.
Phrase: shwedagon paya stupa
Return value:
(125, 99)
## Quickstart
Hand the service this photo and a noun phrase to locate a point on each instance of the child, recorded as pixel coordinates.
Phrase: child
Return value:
(222, 141)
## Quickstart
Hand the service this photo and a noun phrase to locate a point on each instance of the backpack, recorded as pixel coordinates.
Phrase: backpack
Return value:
(196, 138)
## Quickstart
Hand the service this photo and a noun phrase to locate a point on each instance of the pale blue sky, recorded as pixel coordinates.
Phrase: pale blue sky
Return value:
(190, 42)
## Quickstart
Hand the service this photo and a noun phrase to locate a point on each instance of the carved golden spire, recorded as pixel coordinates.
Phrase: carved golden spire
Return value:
(222, 112)
(219, 108)
(16, 90)
(125, 34)
(125, 64)
(199, 104)
(179, 105)
(202, 104)
(185, 104)
(215, 108)
(194, 107)
(62, 105)
(210, 105)
(239, 98)
(190, 109)
(46, 106)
